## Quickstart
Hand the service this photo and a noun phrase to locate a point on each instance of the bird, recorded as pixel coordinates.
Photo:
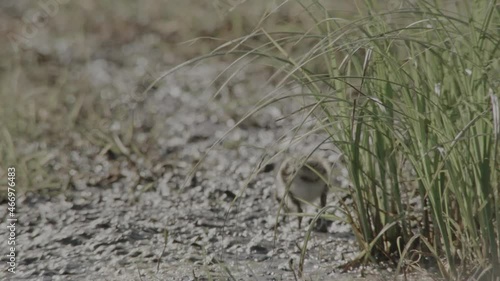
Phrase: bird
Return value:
(302, 180)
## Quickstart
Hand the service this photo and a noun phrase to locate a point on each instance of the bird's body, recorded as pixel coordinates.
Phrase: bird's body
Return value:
(302, 180)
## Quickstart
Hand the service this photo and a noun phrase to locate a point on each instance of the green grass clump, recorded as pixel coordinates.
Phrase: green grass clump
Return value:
(410, 96)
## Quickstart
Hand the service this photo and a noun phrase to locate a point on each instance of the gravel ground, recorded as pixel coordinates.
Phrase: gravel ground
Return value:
(110, 222)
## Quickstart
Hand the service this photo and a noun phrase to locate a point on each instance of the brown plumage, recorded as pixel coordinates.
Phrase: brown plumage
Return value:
(305, 181)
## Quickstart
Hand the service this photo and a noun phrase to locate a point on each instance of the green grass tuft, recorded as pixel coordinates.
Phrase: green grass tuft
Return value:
(409, 95)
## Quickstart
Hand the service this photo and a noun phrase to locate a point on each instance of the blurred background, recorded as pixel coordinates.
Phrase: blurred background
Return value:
(71, 71)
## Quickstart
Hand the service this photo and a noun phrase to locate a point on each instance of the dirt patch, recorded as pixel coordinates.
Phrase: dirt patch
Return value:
(112, 218)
